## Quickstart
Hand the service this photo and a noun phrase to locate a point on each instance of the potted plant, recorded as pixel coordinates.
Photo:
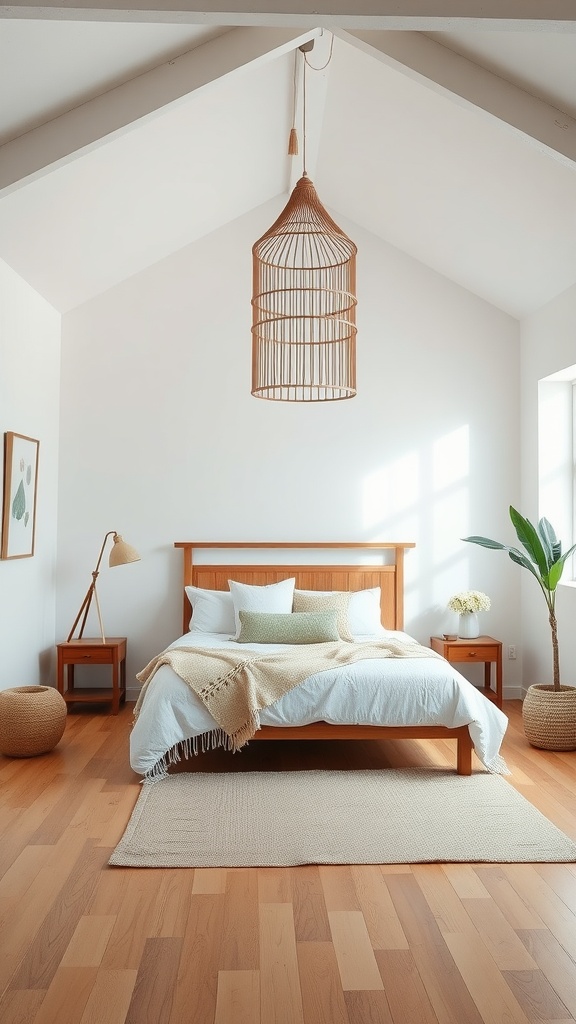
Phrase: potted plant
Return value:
(548, 711)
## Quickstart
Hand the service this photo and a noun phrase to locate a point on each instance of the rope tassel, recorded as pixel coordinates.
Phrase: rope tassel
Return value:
(293, 143)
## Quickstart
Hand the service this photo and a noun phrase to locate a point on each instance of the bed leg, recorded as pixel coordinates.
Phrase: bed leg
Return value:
(464, 752)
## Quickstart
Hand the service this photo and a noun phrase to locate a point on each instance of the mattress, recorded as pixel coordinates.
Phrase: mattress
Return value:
(388, 691)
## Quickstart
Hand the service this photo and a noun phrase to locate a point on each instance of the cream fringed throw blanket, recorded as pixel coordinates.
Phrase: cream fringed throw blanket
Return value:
(235, 689)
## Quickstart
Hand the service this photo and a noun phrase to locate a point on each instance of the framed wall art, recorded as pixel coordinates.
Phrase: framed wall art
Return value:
(20, 483)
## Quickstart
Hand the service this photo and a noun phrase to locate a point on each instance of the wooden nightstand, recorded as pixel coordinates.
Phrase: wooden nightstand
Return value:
(482, 649)
(93, 652)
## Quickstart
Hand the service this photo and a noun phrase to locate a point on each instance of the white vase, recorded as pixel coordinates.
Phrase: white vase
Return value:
(468, 626)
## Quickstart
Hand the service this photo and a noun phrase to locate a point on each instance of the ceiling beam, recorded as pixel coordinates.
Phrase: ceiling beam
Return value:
(415, 15)
(119, 110)
(466, 83)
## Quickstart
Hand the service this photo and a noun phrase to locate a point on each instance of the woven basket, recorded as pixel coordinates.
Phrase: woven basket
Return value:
(32, 720)
(549, 717)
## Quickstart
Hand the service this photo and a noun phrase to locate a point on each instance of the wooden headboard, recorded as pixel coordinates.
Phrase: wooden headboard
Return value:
(389, 577)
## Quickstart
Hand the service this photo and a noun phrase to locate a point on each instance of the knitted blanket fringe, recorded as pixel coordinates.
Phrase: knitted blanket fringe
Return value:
(184, 750)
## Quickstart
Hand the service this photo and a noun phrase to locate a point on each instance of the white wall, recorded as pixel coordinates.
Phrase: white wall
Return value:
(29, 396)
(162, 441)
(548, 346)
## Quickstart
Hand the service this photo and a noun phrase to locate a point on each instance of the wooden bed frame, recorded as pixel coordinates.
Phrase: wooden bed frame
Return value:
(389, 577)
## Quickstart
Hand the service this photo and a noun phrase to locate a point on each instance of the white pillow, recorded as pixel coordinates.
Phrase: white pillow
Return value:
(363, 610)
(212, 611)
(276, 597)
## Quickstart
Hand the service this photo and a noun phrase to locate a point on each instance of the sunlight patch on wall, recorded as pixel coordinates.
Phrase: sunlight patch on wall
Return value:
(424, 497)
(450, 512)
(389, 492)
(451, 458)
(449, 520)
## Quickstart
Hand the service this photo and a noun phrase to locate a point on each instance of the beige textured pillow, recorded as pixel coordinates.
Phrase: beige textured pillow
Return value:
(337, 601)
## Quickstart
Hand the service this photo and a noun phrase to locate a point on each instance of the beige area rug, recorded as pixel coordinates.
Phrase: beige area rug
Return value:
(401, 816)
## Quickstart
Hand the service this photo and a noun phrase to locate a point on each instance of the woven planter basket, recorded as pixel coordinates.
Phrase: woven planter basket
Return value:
(549, 717)
(32, 720)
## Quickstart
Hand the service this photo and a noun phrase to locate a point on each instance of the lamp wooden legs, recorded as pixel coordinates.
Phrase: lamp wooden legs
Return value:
(85, 608)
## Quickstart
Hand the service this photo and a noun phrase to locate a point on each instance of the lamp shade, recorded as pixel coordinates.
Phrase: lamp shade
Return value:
(304, 305)
(122, 552)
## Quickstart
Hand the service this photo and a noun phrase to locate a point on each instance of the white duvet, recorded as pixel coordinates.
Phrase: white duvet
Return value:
(390, 691)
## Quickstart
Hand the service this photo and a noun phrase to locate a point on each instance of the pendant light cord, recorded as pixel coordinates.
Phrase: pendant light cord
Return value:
(293, 137)
(307, 64)
(322, 68)
(304, 171)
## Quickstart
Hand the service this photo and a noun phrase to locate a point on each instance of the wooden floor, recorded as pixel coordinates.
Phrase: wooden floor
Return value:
(83, 943)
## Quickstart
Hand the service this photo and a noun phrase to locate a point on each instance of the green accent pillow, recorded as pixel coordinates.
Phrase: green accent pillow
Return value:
(290, 628)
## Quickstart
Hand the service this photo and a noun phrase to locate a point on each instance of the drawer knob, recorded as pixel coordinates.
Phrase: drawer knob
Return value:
(471, 654)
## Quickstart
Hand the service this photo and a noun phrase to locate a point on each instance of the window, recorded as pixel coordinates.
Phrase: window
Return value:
(556, 456)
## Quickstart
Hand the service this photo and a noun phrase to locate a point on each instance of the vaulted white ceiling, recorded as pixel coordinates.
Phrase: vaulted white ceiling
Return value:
(125, 141)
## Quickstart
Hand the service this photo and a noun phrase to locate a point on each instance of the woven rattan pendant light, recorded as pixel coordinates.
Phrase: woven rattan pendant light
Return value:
(304, 303)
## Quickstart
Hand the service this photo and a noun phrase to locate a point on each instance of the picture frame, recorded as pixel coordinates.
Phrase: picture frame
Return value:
(20, 486)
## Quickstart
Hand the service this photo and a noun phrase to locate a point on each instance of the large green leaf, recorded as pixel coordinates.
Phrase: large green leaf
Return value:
(521, 559)
(553, 577)
(549, 540)
(557, 569)
(485, 542)
(546, 539)
(529, 539)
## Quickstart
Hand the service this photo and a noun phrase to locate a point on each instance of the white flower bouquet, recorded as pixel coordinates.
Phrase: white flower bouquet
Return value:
(469, 601)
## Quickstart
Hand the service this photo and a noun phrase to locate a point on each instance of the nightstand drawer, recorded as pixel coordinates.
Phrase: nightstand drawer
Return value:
(92, 656)
(470, 652)
(484, 650)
